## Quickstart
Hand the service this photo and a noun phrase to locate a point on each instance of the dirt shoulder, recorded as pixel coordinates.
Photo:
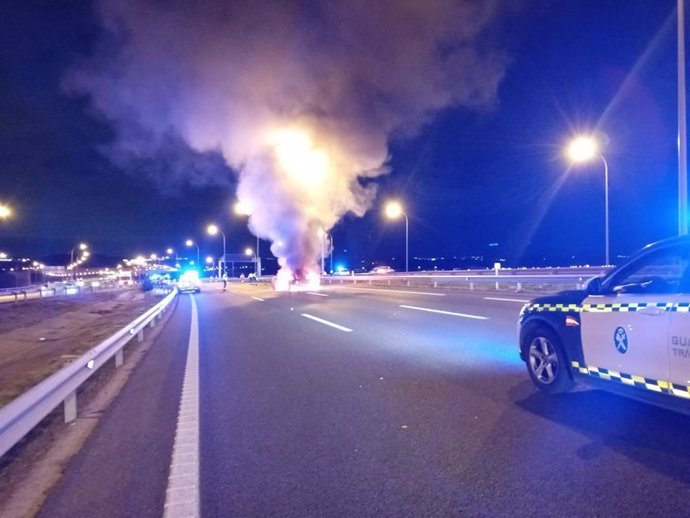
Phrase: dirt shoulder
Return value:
(37, 337)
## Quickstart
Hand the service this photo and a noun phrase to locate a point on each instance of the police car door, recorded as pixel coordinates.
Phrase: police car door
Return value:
(626, 328)
(679, 339)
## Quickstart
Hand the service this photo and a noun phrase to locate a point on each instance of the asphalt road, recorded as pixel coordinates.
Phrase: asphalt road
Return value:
(397, 411)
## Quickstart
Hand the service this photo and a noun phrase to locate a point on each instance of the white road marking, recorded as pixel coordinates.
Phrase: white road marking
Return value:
(316, 293)
(326, 322)
(182, 495)
(442, 312)
(395, 291)
(507, 300)
(257, 298)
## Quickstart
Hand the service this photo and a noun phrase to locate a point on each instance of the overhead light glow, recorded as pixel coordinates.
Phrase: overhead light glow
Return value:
(583, 149)
(393, 210)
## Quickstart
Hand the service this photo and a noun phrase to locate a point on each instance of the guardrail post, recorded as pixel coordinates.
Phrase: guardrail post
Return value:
(496, 286)
(471, 286)
(152, 323)
(519, 286)
(407, 283)
(119, 358)
(435, 284)
(70, 407)
(140, 335)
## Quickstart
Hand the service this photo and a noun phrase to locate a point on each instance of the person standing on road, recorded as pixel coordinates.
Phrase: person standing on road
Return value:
(225, 281)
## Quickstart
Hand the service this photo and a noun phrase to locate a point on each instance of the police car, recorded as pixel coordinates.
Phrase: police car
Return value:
(628, 329)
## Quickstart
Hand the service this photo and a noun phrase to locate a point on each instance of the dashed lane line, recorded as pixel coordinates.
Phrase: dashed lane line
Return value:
(182, 495)
(258, 298)
(523, 301)
(326, 322)
(316, 293)
(443, 312)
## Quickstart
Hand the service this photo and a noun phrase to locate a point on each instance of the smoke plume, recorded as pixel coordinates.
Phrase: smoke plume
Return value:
(298, 97)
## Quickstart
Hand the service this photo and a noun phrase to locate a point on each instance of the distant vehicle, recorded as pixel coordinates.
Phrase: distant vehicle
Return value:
(380, 270)
(627, 331)
(125, 278)
(189, 282)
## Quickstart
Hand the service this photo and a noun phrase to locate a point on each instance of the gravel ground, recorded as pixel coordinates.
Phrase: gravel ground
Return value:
(37, 337)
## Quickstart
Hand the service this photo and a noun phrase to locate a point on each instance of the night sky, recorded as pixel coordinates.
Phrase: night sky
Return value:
(468, 177)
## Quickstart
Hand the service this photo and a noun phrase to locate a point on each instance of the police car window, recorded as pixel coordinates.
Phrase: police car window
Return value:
(661, 272)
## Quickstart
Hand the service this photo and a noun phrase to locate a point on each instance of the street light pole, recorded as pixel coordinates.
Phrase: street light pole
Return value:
(257, 264)
(583, 149)
(332, 250)
(213, 230)
(407, 243)
(189, 242)
(82, 247)
(393, 210)
(682, 127)
(606, 205)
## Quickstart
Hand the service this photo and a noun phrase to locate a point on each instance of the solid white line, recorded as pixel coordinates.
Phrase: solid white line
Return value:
(507, 300)
(326, 322)
(182, 495)
(316, 293)
(442, 312)
(392, 291)
(257, 298)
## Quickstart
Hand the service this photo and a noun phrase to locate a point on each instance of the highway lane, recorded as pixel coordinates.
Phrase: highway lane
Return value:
(402, 412)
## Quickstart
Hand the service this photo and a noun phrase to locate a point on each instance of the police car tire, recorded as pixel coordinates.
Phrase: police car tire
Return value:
(563, 380)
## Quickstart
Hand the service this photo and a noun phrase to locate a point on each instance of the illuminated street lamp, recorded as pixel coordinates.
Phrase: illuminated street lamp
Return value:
(213, 230)
(242, 209)
(189, 242)
(584, 149)
(5, 211)
(393, 211)
(248, 252)
(81, 246)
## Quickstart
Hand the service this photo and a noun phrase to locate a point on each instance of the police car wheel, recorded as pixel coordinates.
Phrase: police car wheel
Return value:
(546, 362)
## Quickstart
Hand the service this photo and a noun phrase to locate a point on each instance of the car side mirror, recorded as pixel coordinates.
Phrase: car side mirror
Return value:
(593, 286)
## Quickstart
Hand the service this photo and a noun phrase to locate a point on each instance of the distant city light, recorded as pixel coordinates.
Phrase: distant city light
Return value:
(169, 251)
(209, 260)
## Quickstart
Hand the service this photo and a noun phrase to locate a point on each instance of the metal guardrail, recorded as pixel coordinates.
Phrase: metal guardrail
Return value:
(517, 279)
(22, 414)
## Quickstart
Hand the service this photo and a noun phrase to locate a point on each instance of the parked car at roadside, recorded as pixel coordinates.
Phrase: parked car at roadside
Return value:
(381, 270)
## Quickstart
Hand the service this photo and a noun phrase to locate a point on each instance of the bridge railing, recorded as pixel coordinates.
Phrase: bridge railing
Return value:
(22, 414)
